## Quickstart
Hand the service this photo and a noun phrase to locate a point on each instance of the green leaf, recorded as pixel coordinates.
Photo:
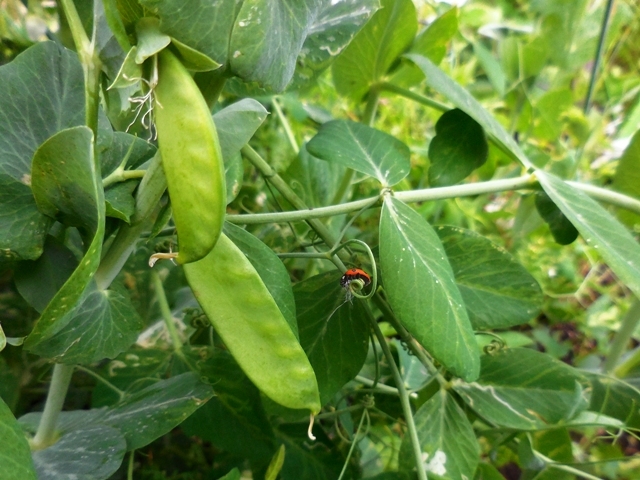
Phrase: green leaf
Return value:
(66, 184)
(275, 465)
(93, 451)
(432, 43)
(336, 344)
(119, 201)
(130, 71)
(22, 227)
(318, 461)
(233, 420)
(267, 37)
(446, 438)
(375, 48)
(599, 229)
(15, 454)
(497, 291)
(421, 289)
(615, 398)
(458, 148)
(627, 177)
(461, 98)
(112, 157)
(491, 67)
(102, 325)
(237, 123)
(232, 475)
(331, 31)
(39, 280)
(42, 93)
(524, 389)
(194, 60)
(150, 39)
(561, 228)
(202, 25)
(362, 148)
(154, 411)
(271, 270)
(233, 175)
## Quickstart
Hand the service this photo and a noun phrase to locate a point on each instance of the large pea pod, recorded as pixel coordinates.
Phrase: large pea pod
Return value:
(246, 317)
(191, 159)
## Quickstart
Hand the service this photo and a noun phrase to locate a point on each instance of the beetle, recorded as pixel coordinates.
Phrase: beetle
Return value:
(354, 274)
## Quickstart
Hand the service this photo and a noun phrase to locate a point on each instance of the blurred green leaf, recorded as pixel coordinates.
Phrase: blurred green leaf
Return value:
(491, 67)
(627, 177)
(15, 453)
(362, 148)
(333, 333)
(421, 289)
(497, 291)
(446, 438)
(615, 398)
(375, 48)
(561, 228)
(599, 229)
(458, 148)
(524, 389)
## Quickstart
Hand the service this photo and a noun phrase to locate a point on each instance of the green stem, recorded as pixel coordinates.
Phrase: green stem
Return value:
(120, 393)
(165, 310)
(369, 115)
(430, 194)
(416, 97)
(622, 337)
(598, 59)
(404, 396)
(60, 380)
(120, 175)
(285, 124)
(380, 387)
(629, 364)
(353, 445)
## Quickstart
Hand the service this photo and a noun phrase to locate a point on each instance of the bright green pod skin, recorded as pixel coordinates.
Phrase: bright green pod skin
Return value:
(191, 159)
(246, 317)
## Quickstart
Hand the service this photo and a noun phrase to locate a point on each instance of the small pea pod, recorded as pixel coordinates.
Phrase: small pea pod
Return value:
(191, 159)
(246, 317)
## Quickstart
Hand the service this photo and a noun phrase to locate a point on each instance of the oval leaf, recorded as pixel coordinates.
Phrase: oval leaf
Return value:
(15, 454)
(362, 148)
(458, 148)
(447, 440)
(524, 389)
(497, 291)
(421, 289)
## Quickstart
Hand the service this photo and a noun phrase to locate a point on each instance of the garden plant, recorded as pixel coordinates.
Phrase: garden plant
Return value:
(319, 239)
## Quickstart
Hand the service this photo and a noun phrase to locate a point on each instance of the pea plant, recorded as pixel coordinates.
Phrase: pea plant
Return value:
(320, 240)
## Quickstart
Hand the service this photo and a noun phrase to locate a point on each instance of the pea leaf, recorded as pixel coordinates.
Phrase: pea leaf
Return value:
(461, 98)
(103, 324)
(497, 291)
(233, 420)
(331, 31)
(374, 49)
(362, 148)
(93, 451)
(66, 185)
(154, 411)
(491, 67)
(421, 289)
(267, 37)
(39, 280)
(458, 148)
(334, 334)
(42, 92)
(237, 123)
(15, 454)
(524, 389)
(112, 157)
(561, 228)
(119, 201)
(615, 398)
(446, 438)
(627, 177)
(271, 270)
(616, 245)
(150, 39)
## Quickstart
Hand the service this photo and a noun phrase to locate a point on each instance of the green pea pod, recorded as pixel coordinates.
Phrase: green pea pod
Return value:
(246, 317)
(191, 159)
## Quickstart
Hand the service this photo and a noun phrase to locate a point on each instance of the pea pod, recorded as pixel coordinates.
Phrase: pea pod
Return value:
(246, 317)
(191, 159)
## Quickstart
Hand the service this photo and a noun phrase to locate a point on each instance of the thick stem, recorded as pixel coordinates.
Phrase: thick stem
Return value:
(46, 434)
(403, 394)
